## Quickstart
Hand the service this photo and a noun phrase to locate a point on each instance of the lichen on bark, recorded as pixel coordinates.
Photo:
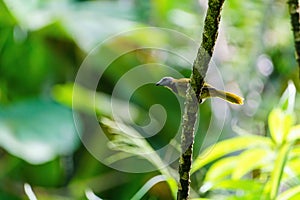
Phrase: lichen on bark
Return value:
(200, 67)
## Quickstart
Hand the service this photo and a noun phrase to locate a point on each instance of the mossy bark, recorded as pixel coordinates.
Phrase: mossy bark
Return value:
(294, 13)
(200, 67)
(187, 141)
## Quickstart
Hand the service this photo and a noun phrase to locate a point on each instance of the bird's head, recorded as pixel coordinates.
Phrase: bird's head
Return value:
(165, 81)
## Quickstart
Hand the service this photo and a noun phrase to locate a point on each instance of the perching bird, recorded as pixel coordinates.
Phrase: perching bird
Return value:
(179, 86)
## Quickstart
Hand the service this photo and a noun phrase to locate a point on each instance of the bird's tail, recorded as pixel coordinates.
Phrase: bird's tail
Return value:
(228, 96)
(233, 98)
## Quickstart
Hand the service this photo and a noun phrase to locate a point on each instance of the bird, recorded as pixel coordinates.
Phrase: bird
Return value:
(179, 86)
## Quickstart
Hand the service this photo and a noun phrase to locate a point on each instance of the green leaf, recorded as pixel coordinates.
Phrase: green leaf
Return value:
(280, 123)
(290, 193)
(29, 192)
(295, 152)
(287, 100)
(278, 170)
(294, 169)
(38, 130)
(6, 18)
(221, 169)
(200, 199)
(89, 101)
(130, 142)
(35, 15)
(294, 133)
(91, 195)
(251, 159)
(173, 186)
(229, 146)
(246, 185)
(147, 186)
(29, 15)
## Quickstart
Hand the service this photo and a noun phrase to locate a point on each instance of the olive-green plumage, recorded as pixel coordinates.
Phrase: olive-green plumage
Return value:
(179, 86)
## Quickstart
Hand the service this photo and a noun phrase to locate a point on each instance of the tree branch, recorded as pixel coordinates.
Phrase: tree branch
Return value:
(200, 67)
(294, 13)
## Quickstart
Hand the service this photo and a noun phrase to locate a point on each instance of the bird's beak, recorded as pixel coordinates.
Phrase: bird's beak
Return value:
(158, 83)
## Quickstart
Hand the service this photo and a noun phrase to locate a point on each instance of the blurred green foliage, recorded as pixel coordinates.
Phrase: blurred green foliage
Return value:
(44, 42)
(257, 167)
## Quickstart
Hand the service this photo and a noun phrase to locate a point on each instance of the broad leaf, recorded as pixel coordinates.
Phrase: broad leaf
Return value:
(246, 185)
(294, 133)
(90, 102)
(280, 123)
(295, 152)
(251, 159)
(38, 130)
(293, 169)
(221, 169)
(229, 146)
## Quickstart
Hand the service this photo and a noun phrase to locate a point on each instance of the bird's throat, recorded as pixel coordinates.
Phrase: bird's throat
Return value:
(173, 87)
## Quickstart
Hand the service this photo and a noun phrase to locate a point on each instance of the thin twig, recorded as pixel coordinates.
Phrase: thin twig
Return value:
(200, 68)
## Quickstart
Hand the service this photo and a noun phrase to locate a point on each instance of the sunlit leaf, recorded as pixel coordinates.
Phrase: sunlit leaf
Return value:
(34, 15)
(221, 169)
(229, 146)
(30, 14)
(246, 185)
(278, 170)
(38, 130)
(287, 100)
(90, 102)
(99, 16)
(280, 123)
(293, 168)
(250, 160)
(294, 133)
(295, 152)
(173, 186)
(5, 15)
(29, 192)
(293, 193)
(199, 199)
(90, 195)
(147, 186)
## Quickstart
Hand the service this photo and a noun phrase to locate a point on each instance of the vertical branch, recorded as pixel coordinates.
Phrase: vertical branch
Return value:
(294, 13)
(200, 67)
(209, 36)
(187, 141)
